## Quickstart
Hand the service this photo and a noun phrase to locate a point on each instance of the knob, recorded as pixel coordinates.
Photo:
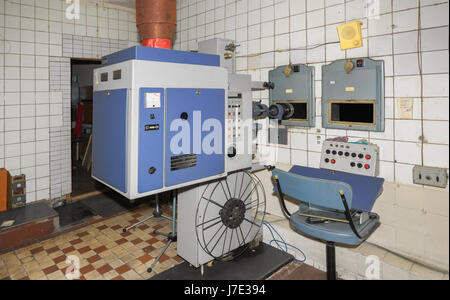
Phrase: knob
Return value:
(360, 156)
(360, 166)
(347, 154)
(353, 165)
(368, 157)
(353, 154)
(334, 152)
(367, 167)
(327, 160)
(341, 153)
(152, 170)
(328, 151)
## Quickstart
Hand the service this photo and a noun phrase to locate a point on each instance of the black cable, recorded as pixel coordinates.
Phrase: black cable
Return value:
(282, 201)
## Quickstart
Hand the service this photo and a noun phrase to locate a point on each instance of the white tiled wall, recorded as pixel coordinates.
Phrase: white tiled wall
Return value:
(36, 44)
(276, 32)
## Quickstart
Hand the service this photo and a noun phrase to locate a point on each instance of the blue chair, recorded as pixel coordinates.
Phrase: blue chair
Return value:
(325, 212)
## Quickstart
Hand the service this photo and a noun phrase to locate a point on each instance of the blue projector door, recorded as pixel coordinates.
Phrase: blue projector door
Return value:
(151, 139)
(195, 120)
(109, 141)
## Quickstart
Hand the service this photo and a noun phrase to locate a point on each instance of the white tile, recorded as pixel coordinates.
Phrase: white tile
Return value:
(435, 15)
(436, 155)
(408, 153)
(436, 132)
(435, 62)
(408, 130)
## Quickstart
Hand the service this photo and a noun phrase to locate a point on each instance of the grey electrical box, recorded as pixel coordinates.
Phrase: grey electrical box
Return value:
(353, 95)
(224, 48)
(295, 84)
(436, 177)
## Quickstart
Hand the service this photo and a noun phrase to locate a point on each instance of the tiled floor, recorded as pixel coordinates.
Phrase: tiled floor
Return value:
(103, 250)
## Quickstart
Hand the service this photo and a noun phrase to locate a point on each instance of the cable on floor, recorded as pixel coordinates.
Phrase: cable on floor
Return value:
(281, 243)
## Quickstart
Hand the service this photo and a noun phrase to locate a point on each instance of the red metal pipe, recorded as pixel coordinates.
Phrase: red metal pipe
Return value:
(156, 21)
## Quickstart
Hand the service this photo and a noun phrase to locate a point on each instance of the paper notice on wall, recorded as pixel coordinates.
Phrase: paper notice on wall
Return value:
(405, 108)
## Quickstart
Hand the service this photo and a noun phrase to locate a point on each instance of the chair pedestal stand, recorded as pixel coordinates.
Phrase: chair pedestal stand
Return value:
(331, 261)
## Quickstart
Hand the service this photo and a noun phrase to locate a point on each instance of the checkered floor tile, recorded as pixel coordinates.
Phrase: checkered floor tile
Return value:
(102, 250)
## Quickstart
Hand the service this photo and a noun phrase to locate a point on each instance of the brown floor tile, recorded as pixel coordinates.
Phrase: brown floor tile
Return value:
(93, 259)
(60, 259)
(145, 258)
(52, 250)
(121, 241)
(118, 278)
(68, 249)
(137, 241)
(105, 269)
(163, 258)
(116, 227)
(103, 227)
(100, 249)
(77, 241)
(36, 250)
(123, 269)
(83, 234)
(84, 249)
(144, 227)
(125, 234)
(87, 269)
(50, 270)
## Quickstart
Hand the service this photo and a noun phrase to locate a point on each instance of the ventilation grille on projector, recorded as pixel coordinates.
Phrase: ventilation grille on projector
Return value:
(183, 162)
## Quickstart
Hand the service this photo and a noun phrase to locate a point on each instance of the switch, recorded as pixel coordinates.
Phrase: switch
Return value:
(360, 63)
(333, 161)
(368, 157)
(367, 167)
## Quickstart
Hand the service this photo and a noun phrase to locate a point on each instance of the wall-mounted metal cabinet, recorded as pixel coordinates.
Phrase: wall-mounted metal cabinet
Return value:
(353, 95)
(295, 85)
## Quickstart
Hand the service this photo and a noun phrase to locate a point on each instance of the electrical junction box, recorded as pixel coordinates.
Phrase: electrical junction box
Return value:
(353, 95)
(151, 123)
(295, 85)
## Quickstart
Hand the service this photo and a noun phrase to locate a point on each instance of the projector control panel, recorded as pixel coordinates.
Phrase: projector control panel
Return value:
(355, 158)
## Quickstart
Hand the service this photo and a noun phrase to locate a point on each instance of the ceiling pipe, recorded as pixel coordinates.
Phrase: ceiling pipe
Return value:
(156, 21)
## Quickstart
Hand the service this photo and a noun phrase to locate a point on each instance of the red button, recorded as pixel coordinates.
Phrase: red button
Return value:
(367, 167)
(368, 156)
(333, 161)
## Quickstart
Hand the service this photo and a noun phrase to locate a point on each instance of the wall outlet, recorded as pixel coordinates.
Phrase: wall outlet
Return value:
(436, 177)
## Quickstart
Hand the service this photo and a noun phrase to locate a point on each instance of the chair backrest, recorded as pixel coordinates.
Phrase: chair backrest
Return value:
(317, 192)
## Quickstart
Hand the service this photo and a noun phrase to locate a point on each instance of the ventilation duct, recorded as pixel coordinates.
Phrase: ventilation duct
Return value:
(156, 21)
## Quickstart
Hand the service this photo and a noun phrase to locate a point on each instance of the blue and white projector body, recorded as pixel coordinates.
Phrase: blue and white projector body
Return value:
(139, 94)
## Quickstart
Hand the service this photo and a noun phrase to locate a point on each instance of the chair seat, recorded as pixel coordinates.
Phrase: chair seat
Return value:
(336, 232)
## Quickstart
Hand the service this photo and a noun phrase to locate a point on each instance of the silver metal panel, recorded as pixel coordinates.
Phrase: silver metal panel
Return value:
(355, 158)
(239, 122)
(218, 47)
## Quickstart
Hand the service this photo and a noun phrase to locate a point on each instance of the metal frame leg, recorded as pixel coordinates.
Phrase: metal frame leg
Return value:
(331, 261)
(157, 213)
(171, 237)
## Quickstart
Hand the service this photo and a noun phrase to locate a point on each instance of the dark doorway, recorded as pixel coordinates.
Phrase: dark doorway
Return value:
(82, 78)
